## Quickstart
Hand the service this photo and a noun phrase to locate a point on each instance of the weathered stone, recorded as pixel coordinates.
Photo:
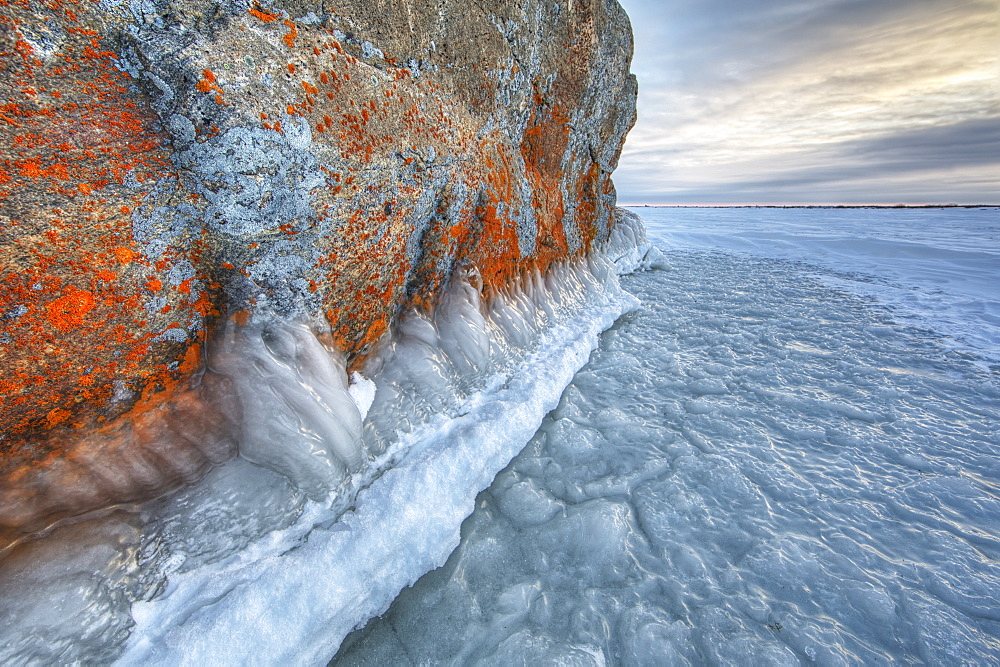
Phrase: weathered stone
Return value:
(167, 166)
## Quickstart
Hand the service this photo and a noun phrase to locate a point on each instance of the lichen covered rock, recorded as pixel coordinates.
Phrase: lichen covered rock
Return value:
(170, 169)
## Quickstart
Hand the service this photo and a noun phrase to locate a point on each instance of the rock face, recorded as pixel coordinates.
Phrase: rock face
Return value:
(170, 169)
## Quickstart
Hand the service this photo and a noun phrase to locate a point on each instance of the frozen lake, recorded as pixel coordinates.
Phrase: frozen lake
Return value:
(937, 267)
(788, 453)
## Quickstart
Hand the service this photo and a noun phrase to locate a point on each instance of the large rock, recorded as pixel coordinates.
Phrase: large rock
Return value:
(172, 169)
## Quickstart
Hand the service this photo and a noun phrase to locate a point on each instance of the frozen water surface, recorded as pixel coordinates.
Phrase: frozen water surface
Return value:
(788, 454)
(936, 267)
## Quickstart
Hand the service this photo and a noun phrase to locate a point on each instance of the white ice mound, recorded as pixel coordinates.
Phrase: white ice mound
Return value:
(628, 248)
(362, 391)
(298, 417)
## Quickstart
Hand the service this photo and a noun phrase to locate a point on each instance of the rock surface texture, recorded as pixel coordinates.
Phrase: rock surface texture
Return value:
(172, 169)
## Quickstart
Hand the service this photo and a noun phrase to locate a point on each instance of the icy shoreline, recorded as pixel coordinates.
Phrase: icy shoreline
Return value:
(297, 592)
(252, 564)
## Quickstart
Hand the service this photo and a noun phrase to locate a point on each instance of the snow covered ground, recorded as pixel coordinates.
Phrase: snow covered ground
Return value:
(934, 267)
(790, 453)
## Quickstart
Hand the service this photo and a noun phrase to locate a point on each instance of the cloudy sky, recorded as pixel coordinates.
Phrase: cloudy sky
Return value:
(814, 101)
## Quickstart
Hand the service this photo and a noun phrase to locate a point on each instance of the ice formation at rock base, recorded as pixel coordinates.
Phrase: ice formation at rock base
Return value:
(278, 383)
(457, 392)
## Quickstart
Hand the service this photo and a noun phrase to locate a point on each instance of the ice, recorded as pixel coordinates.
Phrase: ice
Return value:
(935, 266)
(346, 489)
(91, 575)
(297, 416)
(362, 391)
(164, 447)
(299, 604)
(758, 466)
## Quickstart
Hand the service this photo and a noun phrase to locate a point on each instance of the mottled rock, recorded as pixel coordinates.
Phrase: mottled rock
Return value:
(169, 168)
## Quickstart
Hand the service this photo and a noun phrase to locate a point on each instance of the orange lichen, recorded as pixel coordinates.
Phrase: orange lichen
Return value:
(192, 360)
(263, 16)
(67, 312)
(56, 416)
(241, 317)
(72, 131)
(124, 255)
(289, 37)
(207, 84)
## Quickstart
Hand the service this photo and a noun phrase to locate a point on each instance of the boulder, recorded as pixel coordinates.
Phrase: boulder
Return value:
(173, 169)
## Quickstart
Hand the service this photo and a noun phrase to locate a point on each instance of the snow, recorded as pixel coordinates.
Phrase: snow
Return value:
(935, 267)
(362, 391)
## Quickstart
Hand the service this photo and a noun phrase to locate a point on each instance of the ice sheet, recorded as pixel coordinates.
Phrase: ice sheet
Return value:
(936, 267)
(756, 467)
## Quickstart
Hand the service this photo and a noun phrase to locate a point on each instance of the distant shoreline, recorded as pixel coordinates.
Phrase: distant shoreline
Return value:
(850, 206)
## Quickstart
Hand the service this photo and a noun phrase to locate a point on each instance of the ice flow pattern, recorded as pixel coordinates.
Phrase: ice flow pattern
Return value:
(779, 458)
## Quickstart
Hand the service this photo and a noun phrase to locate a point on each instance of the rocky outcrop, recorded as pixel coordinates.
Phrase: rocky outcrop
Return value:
(173, 172)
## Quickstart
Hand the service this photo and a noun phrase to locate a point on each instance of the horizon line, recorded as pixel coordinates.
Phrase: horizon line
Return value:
(949, 205)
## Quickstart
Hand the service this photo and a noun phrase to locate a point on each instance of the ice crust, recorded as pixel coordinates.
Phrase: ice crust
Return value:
(934, 267)
(756, 467)
(364, 483)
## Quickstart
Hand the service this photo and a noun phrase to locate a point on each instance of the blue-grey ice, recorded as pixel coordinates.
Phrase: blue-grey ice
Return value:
(790, 453)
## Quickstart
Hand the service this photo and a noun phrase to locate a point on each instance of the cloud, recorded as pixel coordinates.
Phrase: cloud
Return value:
(969, 143)
(734, 93)
(955, 163)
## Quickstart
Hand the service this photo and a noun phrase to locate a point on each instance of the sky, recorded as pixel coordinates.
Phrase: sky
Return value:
(814, 102)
